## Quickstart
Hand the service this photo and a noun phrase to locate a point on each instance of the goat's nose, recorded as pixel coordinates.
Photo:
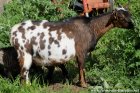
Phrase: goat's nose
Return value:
(131, 25)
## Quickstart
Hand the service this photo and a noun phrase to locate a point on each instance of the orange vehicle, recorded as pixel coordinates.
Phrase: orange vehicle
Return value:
(88, 7)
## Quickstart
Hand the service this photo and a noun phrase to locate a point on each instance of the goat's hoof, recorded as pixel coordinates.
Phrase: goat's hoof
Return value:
(66, 81)
(28, 83)
(84, 85)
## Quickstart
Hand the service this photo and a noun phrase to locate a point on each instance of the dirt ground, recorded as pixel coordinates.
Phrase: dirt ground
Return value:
(57, 84)
(72, 88)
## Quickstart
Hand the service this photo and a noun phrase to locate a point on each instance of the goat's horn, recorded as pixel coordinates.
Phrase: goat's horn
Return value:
(119, 5)
(127, 5)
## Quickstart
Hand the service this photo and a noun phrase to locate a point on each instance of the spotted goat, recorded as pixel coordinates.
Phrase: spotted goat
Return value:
(9, 65)
(53, 43)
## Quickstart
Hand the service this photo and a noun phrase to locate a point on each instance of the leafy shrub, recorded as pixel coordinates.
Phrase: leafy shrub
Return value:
(117, 53)
(20, 10)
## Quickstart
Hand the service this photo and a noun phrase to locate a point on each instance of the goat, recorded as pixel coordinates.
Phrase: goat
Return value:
(53, 43)
(9, 66)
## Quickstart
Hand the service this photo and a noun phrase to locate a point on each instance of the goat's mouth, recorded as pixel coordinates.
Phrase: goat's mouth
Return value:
(130, 25)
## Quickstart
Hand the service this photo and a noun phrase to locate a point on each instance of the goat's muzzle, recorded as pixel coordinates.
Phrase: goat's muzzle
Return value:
(131, 25)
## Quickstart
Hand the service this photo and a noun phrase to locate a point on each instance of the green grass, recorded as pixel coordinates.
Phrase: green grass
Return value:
(98, 80)
(8, 86)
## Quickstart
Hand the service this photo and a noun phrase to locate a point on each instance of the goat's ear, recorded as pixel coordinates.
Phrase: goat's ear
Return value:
(114, 13)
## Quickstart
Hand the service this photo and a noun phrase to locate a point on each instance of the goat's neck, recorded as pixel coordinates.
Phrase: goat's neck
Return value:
(101, 25)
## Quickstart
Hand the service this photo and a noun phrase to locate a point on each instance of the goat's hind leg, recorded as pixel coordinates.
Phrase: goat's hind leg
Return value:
(51, 70)
(65, 73)
(50, 73)
(25, 64)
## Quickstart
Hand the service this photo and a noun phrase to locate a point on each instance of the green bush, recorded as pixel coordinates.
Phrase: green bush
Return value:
(117, 53)
(20, 10)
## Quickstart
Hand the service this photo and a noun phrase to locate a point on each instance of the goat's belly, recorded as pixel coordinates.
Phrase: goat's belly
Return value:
(55, 53)
(53, 57)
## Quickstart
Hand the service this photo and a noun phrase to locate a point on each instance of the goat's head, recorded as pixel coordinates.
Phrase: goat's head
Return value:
(122, 18)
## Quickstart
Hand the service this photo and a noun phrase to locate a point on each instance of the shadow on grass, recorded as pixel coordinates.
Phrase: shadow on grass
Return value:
(39, 75)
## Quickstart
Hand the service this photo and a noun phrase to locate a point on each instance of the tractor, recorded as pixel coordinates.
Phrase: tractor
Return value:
(92, 7)
(89, 7)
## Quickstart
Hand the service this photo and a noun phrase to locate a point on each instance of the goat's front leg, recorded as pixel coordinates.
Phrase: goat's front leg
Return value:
(25, 64)
(80, 60)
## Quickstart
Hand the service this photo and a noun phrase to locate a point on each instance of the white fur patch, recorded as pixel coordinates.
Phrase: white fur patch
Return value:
(121, 8)
(27, 60)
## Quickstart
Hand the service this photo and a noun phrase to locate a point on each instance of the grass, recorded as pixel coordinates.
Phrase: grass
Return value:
(98, 80)
(8, 86)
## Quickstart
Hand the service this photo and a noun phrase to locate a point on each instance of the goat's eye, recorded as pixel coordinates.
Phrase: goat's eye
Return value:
(121, 18)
